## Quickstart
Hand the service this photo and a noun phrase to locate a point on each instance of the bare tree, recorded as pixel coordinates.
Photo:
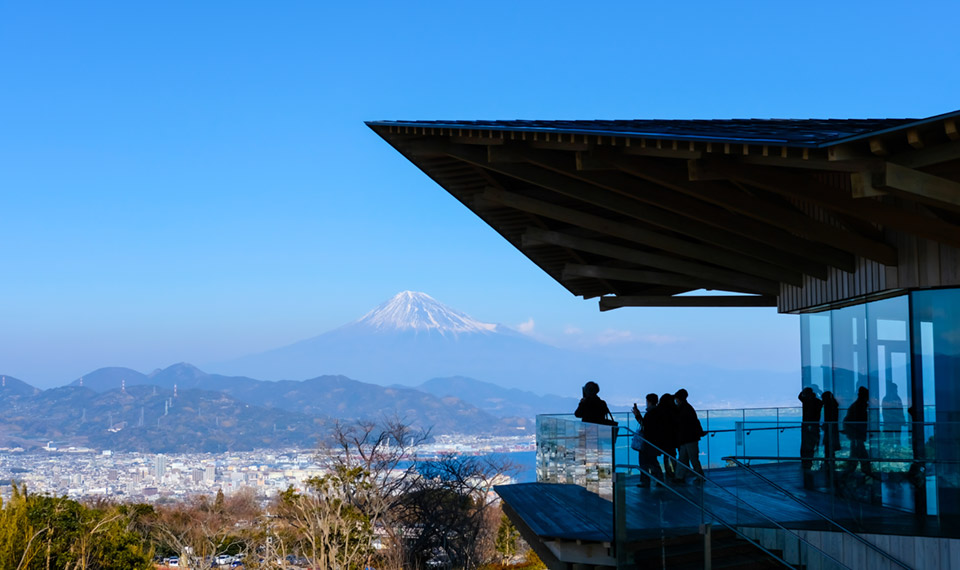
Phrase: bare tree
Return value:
(342, 518)
(454, 512)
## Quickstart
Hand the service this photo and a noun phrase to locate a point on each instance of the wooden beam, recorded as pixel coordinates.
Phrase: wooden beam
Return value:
(806, 187)
(604, 193)
(734, 200)
(669, 151)
(861, 185)
(913, 138)
(646, 276)
(683, 214)
(920, 185)
(927, 156)
(878, 147)
(712, 276)
(950, 128)
(609, 303)
(478, 140)
(631, 232)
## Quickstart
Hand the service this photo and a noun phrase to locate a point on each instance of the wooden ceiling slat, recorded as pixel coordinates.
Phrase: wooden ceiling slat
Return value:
(808, 188)
(575, 270)
(603, 197)
(710, 274)
(629, 232)
(735, 200)
(616, 302)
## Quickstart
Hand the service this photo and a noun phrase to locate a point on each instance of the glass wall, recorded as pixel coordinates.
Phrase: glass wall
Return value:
(905, 351)
(936, 350)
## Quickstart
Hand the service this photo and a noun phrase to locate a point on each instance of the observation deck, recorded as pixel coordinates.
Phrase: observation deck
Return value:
(757, 503)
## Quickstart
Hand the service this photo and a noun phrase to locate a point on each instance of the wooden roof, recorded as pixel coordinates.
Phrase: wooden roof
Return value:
(641, 213)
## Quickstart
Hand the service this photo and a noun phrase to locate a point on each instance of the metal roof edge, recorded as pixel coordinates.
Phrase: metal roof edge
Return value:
(912, 124)
(607, 133)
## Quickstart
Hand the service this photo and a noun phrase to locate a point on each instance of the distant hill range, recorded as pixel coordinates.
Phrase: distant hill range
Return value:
(181, 408)
(498, 401)
(412, 337)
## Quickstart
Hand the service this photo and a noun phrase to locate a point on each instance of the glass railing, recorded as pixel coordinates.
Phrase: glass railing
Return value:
(874, 477)
(807, 513)
(573, 452)
(889, 481)
(650, 505)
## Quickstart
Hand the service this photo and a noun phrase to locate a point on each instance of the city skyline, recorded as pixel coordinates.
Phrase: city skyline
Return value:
(193, 183)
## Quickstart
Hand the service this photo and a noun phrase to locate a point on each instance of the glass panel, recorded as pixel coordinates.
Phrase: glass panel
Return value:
(574, 452)
(816, 351)
(890, 396)
(721, 440)
(849, 332)
(650, 516)
(936, 330)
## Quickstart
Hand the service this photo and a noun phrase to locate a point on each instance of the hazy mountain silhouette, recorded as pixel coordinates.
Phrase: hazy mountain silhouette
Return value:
(150, 419)
(497, 400)
(110, 378)
(326, 396)
(11, 387)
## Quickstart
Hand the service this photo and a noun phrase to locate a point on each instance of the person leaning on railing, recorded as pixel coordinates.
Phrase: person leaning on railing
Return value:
(592, 408)
(650, 429)
(689, 432)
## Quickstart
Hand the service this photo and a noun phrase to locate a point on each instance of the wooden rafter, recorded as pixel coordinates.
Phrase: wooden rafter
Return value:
(808, 188)
(609, 303)
(710, 274)
(920, 185)
(736, 201)
(645, 276)
(631, 232)
(683, 214)
(603, 196)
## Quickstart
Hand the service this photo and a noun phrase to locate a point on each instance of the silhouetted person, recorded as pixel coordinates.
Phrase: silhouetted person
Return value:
(809, 432)
(892, 413)
(831, 433)
(592, 409)
(855, 427)
(652, 432)
(668, 405)
(689, 432)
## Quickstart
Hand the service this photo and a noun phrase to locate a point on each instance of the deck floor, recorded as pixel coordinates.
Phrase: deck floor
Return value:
(570, 512)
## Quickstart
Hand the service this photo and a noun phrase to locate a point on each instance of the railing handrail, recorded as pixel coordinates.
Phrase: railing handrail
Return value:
(737, 501)
(825, 517)
(841, 459)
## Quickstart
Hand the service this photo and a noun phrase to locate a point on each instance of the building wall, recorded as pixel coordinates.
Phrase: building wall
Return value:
(920, 552)
(922, 264)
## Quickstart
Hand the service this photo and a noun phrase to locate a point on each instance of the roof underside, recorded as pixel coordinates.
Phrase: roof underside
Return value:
(641, 213)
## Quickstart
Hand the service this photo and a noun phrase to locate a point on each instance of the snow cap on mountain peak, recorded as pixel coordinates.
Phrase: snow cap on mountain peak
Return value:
(415, 311)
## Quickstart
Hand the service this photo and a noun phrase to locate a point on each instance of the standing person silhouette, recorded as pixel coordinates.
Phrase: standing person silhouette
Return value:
(809, 432)
(652, 433)
(592, 409)
(855, 426)
(831, 433)
(667, 411)
(689, 432)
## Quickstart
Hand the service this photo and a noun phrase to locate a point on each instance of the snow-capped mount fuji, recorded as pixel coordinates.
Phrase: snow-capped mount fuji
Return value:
(411, 338)
(411, 311)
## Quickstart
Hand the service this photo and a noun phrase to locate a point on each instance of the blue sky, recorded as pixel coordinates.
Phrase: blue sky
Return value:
(185, 181)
